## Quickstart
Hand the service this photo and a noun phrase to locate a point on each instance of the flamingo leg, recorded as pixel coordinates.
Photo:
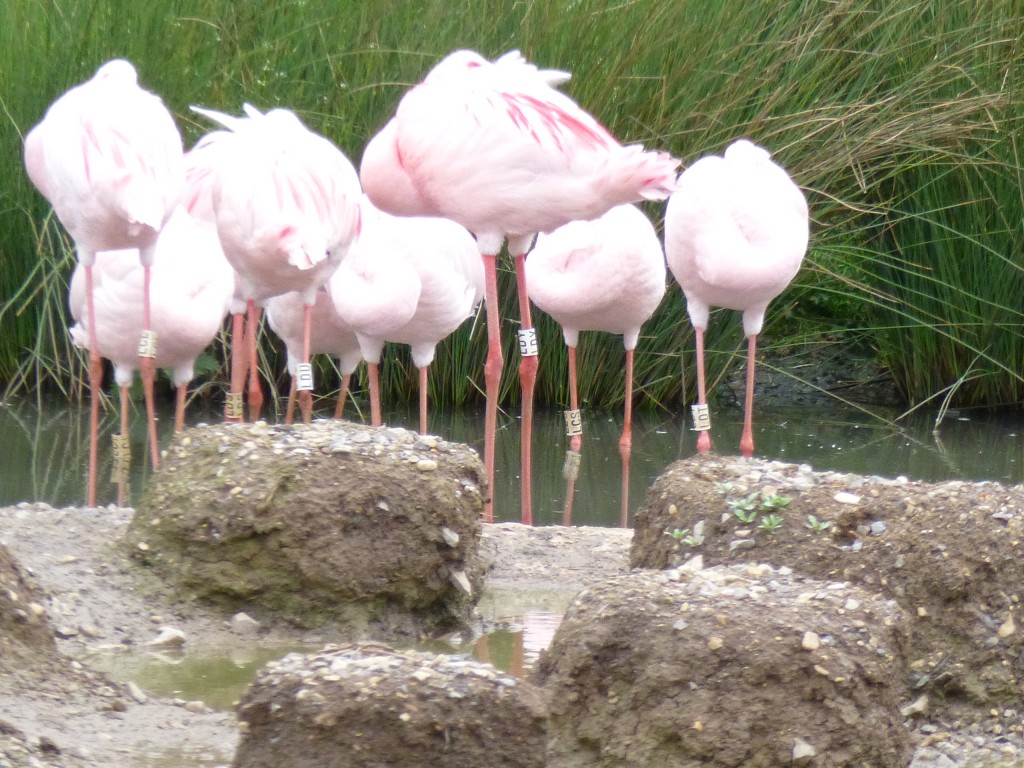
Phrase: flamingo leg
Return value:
(704, 436)
(626, 441)
(95, 382)
(423, 400)
(147, 370)
(306, 395)
(339, 409)
(528, 379)
(492, 378)
(179, 408)
(251, 330)
(576, 441)
(289, 414)
(747, 439)
(233, 410)
(373, 372)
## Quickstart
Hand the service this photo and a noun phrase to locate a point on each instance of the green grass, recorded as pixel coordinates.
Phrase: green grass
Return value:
(900, 119)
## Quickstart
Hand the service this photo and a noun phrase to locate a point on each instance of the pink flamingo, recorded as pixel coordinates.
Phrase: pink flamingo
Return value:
(736, 231)
(286, 204)
(494, 147)
(108, 157)
(329, 335)
(191, 293)
(606, 275)
(410, 281)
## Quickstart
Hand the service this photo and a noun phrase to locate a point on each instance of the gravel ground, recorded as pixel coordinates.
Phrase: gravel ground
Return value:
(68, 715)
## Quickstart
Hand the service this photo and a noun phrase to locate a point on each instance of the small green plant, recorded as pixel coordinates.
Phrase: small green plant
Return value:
(725, 487)
(684, 535)
(771, 522)
(818, 526)
(774, 501)
(745, 509)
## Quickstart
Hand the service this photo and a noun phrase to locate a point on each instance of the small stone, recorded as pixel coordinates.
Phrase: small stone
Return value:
(136, 693)
(737, 544)
(918, 706)
(1007, 628)
(811, 641)
(244, 624)
(802, 752)
(143, 546)
(715, 643)
(922, 612)
(451, 538)
(426, 465)
(459, 579)
(844, 497)
(169, 637)
(195, 707)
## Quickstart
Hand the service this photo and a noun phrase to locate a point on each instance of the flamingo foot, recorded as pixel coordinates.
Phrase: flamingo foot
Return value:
(306, 405)
(703, 441)
(528, 380)
(747, 444)
(147, 371)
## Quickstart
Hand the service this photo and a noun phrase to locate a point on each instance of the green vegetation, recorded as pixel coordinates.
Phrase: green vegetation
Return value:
(900, 119)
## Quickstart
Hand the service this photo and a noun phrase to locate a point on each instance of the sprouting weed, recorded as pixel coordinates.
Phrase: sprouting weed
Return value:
(771, 522)
(774, 501)
(684, 535)
(816, 525)
(725, 487)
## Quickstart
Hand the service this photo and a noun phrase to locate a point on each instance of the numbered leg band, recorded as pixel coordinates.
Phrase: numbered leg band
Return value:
(701, 417)
(571, 467)
(304, 377)
(122, 458)
(528, 342)
(233, 408)
(147, 344)
(573, 422)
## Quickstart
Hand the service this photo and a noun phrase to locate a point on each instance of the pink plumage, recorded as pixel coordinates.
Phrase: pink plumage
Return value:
(286, 204)
(495, 147)
(409, 281)
(736, 231)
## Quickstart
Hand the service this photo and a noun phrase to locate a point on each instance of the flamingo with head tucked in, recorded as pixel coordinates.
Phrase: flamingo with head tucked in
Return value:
(191, 294)
(286, 205)
(736, 231)
(495, 147)
(108, 157)
(606, 275)
(407, 280)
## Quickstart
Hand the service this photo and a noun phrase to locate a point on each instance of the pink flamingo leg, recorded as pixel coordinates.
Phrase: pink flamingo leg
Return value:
(255, 392)
(95, 382)
(626, 441)
(232, 408)
(289, 414)
(747, 439)
(528, 380)
(339, 409)
(704, 436)
(147, 370)
(576, 441)
(373, 372)
(179, 408)
(492, 378)
(306, 396)
(423, 400)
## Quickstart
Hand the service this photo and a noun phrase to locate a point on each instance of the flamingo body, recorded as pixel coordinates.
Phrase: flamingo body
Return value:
(192, 289)
(109, 158)
(736, 231)
(602, 275)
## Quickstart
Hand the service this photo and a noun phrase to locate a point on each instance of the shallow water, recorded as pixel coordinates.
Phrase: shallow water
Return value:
(44, 451)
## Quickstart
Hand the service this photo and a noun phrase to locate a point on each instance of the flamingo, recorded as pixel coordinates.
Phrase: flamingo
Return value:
(286, 204)
(736, 231)
(108, 157)
(495, 147)
(192, 288)
(606, 275)
(329, 335)
(410, 280)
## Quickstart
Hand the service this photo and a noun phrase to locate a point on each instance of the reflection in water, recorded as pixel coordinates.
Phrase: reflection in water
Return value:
(44, 453)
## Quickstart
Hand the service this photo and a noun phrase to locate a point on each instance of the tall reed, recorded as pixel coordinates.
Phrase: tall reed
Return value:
(900, 119)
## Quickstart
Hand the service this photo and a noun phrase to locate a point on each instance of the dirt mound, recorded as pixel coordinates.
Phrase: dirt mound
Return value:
(374, 528)
(726, 667)
(368, 704)
(949, 553)
(25, 632)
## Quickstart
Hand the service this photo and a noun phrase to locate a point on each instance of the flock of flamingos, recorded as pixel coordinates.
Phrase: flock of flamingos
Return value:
(264, 213)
